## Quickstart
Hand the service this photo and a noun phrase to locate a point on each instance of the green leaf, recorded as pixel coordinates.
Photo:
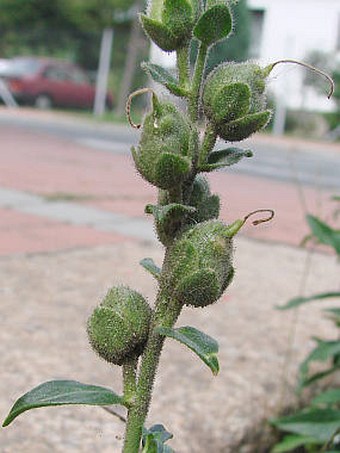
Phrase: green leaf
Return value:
(302, 300)
(150, 266)
(333, 311)
(325, 350)
(243, 128)
(214, 25)
(169, 219)
(201, 344)
(225, 158)
(334, 315)
(60, 393)
(154, 439)
(329, 397)
(324, 233)
(320, 424)
(161, 75)
(291, 442)
(162, 213)
(304, 382)
(158, 33)
(177, 16)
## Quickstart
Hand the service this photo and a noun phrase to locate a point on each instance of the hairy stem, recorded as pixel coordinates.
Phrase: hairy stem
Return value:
(209, 140)
(183, 67)
(129, 380)
(166, 314)
(197, 82)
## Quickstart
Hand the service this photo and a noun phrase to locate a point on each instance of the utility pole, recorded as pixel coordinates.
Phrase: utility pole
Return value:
(103, 71)
(134, 47)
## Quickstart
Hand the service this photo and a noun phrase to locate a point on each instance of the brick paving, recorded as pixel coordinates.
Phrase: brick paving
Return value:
(61, 170)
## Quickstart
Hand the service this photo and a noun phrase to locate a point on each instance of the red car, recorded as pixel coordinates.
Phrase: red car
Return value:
(45, 83)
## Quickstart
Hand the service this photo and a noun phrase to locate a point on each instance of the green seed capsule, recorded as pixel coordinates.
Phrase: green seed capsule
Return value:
(200, 264)
(234, 100)
(118, 328)
(162, 157)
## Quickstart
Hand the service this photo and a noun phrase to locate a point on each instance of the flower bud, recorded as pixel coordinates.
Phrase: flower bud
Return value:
(118, 328)
(162, 157)
(200, 264)
(234, 100)
(169, 23)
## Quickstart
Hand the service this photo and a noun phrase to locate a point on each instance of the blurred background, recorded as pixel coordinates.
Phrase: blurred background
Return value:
(101, 46)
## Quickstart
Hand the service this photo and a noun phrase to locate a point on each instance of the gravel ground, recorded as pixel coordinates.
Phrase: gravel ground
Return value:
(46, 299)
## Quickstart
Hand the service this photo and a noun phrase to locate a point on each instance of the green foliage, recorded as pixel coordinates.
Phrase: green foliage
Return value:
(225, 158)
(118, 328)
(214, 25)
(169, 24)
(61, 393)
(207, 206)
(316, 426)
(236, 47)
(154, 440)
(169, 220)
(151, 267)
(162, 76)
(201, 344)
(324, 234)
(303, 300)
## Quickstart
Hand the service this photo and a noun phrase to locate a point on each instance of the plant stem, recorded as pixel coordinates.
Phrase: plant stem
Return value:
(129, 380)
(166, 314)
(183, 67)
(208, 144)
(197, 82)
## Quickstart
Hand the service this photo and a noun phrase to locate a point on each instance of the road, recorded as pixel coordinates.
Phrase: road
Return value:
(313, 164)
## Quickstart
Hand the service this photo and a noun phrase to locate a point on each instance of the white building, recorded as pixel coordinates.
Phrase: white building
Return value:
(289, 29)
(292, 29)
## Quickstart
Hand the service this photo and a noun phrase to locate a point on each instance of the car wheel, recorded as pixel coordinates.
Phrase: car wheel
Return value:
(43, 102)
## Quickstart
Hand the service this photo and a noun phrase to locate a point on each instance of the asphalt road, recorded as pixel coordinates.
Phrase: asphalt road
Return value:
(308, 163)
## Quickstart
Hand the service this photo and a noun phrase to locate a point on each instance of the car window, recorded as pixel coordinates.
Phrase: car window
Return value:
(21, 67)
(56, 73)
(66, 73)
(78, 76)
